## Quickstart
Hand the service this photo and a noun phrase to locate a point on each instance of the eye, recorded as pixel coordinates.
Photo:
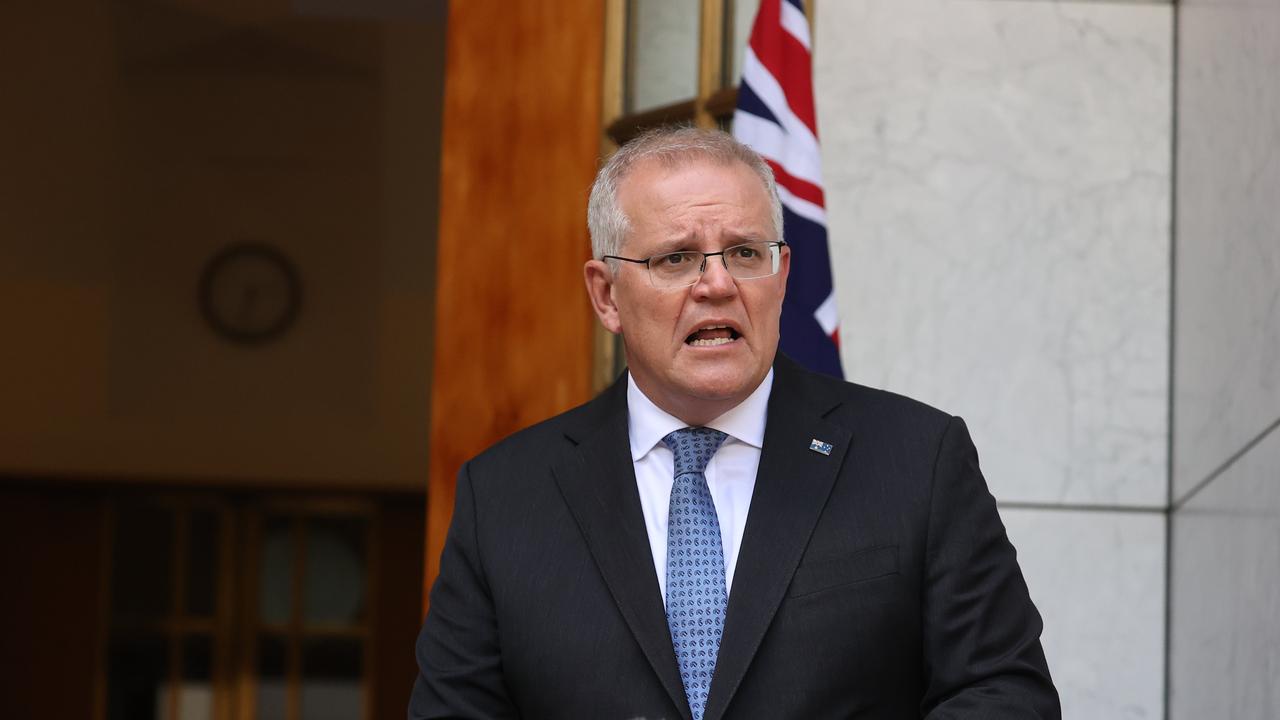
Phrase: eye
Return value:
(672, 259)
(745, 252)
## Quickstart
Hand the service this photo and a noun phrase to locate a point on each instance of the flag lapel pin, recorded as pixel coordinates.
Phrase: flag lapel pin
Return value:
(819, 446)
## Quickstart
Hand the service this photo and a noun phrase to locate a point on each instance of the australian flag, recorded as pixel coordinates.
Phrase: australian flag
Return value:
(775, 117)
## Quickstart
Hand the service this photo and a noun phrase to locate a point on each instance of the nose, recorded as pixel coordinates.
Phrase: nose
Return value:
(715, 281)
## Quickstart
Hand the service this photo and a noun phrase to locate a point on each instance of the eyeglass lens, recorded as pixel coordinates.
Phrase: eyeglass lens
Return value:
(744, 262)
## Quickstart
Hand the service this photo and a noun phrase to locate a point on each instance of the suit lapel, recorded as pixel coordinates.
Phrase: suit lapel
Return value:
(792, 486)
(597, 479)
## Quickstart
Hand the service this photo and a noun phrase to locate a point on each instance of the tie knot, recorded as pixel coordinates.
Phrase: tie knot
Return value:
(693, 448)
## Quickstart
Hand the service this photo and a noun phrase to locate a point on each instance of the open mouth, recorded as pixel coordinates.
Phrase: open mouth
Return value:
(712, 336)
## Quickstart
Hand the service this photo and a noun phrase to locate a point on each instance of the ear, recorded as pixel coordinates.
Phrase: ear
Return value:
(600, 281)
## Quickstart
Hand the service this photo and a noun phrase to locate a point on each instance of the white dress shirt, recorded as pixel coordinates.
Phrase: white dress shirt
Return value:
(731, 474)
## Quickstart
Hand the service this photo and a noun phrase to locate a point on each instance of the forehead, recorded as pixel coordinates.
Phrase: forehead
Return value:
(702, 193)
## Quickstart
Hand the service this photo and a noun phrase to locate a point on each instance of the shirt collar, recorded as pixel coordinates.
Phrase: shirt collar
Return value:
(648, 423)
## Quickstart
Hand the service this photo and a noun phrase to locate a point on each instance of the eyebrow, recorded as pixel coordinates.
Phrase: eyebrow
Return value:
(684, 243)
(679, 244)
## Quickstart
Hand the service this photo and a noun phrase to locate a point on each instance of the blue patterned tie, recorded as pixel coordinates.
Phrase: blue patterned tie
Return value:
(696, 597)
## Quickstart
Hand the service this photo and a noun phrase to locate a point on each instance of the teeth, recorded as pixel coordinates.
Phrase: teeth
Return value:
(712, 342)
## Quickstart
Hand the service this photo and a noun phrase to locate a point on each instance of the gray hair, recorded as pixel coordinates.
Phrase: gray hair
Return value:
(672, 147)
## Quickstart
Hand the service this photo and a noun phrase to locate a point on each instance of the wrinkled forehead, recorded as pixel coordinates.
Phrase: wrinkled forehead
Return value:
(670, 206)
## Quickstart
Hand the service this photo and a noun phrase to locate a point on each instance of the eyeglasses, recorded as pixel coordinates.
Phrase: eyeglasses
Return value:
(683, 268)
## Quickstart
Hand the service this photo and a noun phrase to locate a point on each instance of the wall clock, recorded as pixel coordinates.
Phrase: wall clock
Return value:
(250, 293)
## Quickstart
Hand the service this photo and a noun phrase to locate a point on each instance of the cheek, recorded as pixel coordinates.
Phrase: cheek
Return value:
(764, 309)
(661, 316)
(652, 318)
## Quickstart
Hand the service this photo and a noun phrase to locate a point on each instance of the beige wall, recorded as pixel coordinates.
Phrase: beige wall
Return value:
(149, 136)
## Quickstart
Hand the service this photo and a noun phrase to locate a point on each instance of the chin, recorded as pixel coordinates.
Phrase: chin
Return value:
(720, 383)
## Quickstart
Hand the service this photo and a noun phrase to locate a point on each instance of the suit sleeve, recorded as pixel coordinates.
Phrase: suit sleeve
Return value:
(982, 650)
(459, 654)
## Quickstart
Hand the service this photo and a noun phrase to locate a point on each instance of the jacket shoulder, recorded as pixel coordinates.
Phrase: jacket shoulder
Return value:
(887, 406)
(867, 406)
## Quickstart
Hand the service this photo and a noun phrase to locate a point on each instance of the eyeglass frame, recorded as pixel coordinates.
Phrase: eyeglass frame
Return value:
(779, 244)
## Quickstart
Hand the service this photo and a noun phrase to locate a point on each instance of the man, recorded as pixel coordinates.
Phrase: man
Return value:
(722, 534)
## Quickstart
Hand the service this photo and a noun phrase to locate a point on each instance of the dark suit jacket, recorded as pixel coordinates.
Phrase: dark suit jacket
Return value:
(874, 582)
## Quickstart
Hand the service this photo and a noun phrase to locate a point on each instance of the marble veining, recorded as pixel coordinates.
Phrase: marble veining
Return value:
(998, 194)
(1098, 580)
(1227, 310)
(1225, 593)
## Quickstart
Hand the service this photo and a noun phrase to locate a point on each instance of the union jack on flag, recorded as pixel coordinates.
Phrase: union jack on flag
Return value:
(775, 117)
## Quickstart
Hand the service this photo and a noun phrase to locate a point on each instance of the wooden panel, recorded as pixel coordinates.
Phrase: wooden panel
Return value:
(521, 138)
(624, 129)
(710, 58)
(613, 65)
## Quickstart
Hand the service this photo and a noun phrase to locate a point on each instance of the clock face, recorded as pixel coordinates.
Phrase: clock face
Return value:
(250, 293)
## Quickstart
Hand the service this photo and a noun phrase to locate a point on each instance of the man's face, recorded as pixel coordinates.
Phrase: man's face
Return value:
(675, 357)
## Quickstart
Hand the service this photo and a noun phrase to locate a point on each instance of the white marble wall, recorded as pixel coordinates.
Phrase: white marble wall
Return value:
(1225, 590)
(997, 178)
(1227, 339)
(998, 192)
(1098, 580)
(1225, 605)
